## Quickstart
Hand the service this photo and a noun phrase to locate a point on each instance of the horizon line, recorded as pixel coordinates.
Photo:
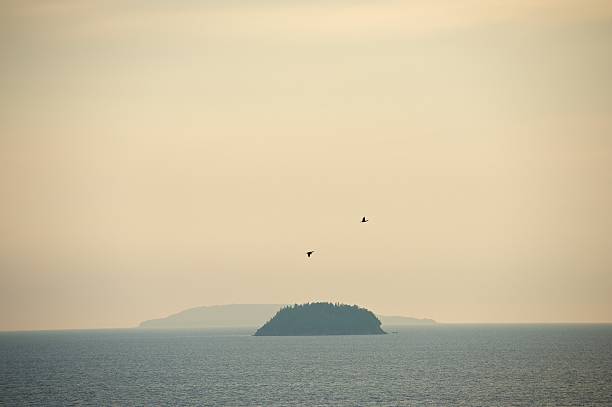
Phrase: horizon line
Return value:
(437, 323)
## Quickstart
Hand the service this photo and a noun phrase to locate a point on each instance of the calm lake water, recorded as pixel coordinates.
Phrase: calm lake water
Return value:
(490, 365)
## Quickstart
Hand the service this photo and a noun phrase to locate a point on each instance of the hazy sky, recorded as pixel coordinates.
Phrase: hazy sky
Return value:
(158, 155)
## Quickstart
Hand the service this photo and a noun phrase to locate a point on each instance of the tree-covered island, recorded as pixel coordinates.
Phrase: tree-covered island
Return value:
(321, 318)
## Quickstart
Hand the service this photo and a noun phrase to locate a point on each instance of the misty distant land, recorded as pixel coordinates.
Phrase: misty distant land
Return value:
(245, 316)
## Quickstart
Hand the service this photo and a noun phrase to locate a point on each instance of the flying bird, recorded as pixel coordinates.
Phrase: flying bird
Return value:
(309, 253)
(364, 220)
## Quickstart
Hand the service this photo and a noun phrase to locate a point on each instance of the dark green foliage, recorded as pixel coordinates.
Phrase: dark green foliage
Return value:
(321, 318)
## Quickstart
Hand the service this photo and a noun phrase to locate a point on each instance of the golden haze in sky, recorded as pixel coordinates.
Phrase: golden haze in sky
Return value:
(160, 155)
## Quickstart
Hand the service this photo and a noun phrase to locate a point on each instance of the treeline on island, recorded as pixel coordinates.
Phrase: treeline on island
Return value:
(321, 318)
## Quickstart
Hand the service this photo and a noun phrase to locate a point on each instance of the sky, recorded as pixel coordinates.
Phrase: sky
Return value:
(160, 155)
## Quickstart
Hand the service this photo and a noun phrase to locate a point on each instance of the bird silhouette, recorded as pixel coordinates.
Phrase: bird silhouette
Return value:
(363, 220)
(309, 253)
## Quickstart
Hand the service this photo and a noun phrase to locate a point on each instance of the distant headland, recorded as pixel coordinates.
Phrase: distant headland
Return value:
(321, 318)
(216, 316)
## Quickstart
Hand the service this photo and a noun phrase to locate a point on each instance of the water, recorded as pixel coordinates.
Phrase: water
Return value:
(560, 365)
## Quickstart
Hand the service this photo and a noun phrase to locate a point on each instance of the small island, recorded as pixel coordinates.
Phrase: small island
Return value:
(321, 318)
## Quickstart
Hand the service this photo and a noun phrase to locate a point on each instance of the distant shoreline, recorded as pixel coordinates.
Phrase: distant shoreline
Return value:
(211, 328)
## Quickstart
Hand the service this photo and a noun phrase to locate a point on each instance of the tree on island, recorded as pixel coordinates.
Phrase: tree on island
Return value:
(321, 318)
